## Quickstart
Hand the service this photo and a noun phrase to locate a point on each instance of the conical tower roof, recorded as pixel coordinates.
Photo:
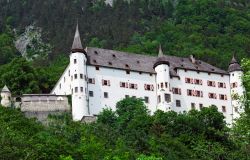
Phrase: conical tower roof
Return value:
(161, 58)
(77, 44)
(160, 54)
(5, 89)
(234, 65)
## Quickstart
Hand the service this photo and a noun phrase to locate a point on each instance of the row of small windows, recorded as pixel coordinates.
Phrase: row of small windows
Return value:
(209, 83)
(127, 71)
(162, 85)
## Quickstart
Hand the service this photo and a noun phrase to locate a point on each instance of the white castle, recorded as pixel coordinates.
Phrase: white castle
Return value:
(99, 78)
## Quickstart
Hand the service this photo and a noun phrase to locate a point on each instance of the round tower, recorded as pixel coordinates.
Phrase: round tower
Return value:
(237, 88)
(78, 73)
(6, 97)
(164, 96)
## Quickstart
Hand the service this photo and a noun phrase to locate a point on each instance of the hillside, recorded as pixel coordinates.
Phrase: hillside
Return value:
(211, 29)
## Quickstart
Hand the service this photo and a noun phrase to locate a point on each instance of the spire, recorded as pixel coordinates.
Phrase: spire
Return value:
(5, 89)
(234, 65)
(233, 60)
(160, 52)
(77, 44)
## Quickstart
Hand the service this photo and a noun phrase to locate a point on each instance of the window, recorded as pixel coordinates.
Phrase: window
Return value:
(223, 97)
(75, 76)
(234, 85)
(161, 85)
(76, 89)
(189, 92)
(198, 81)
(146, 99)
(166, 84)
(123, 84)
(91, 80)
(189, 80)
(60, 86)
(134, 97)
(224, 109)
(176, 91)
(81, 89)
(198, 93)
(75, 61)
(212, 95)
(149, 87)
(106, 95)
(211, 83)
(126, 96)
(132, 86)
(192, 105)
(167, 98)
(201, 106)
(91, 93)
(178, 103)
(97, 68)
(81, 76)
(106, 82)
(127, 72)
(159, 99)
(221, 85)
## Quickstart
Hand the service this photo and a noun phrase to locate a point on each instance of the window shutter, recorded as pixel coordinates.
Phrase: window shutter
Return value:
(186, 80)
(179, 90)
(225, 97)
(136, 86)
(145, 86)
(152, 87)
(93, 80)
(236, 84)
(108, 82)
(126, 84)
(191, 80)
(213, 84)
(201, 93)
(208, 83)
(120, 84)
(224, 85)
(102, 82)
(200, 82)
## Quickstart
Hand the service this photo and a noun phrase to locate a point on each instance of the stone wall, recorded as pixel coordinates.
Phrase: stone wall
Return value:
(40, 106)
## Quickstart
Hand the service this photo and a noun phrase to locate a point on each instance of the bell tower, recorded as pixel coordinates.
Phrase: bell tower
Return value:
(78, 73)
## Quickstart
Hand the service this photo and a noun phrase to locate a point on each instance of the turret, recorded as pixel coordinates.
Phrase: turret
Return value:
(78, 73)
(237, 88)
(164, 96)
(6, 97)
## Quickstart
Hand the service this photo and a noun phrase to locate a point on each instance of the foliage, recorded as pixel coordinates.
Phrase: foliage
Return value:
(130, 132)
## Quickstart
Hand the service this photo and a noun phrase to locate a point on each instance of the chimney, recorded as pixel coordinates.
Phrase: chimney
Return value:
(192, 59)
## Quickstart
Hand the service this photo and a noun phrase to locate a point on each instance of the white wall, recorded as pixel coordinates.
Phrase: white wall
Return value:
(116, 93)
(205, 100)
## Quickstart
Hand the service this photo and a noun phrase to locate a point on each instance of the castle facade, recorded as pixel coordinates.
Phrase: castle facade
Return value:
(99, 78)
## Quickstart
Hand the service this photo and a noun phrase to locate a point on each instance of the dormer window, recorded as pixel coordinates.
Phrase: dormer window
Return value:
(96, 52)
(75, 61)
(94, 61)
(114, 56)
(127, 65)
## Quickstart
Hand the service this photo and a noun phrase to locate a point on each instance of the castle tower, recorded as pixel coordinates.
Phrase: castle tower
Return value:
(6, 97)
(237, 88)
(164, 96)
(78, 73)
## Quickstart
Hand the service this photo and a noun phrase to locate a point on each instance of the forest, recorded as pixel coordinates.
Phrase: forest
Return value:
(212, 30)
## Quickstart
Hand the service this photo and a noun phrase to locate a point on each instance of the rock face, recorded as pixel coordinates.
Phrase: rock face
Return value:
(30, 43)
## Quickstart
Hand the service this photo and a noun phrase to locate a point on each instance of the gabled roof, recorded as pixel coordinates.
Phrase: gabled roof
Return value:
(5, 89)
(77, 44)
(144, 63)
(234, 65)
